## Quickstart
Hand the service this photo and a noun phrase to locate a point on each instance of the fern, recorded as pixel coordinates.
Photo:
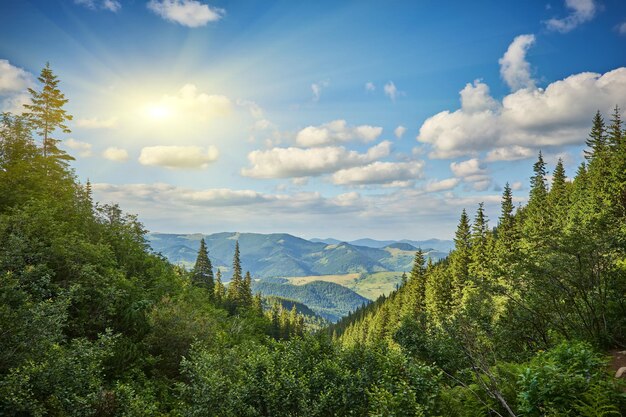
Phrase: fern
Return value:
(597, 402)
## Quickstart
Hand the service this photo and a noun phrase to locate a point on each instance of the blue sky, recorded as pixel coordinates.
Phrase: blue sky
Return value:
(325, 118)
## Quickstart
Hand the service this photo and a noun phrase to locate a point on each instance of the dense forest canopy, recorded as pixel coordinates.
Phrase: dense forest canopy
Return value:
(515, 321)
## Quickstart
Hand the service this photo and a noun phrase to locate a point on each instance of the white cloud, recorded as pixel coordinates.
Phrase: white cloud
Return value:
(369, 86)
(191, 104)
(110, 5)
(13, 84)
(476, 98)
(13, 79)
(442, 185)
(472, 172)
(83, 148)
(300, 213)
(316, 89)
(297, 162)
(336, 131)
(622, 28)
(379, 173)
(581, 11)
(391, 91)
(115, 154)
(178, 157)
(514, 68)
(190, 13)
(555, 116)
(510, 153)
(399, 131)
(517, 185)
(96, 123)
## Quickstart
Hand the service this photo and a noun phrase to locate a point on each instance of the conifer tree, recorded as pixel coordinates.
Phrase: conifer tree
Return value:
(257, 304)
(460, 258)
(202, 274)
(538, 188)
(235, 288)
(293, 321)
(246, 290)
(506, 212)
(220, 290)
(479, 253)
(416, 287)
(615, 132)
(558, 192)
(597, 138)
(46, 113)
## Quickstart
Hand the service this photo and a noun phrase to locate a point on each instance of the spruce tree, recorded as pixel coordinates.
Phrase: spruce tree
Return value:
(506, 211)
(236, 284)
(479, 249)
(246, 290)
(615, 132)
(202, 274)
(460, 258)
(597, 138)
(418, 279)
(220, 290)
(538, 188)
(46, 113)
(257, 304)
(558, 191)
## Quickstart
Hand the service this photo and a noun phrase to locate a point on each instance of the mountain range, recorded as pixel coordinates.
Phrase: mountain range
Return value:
(285, 255)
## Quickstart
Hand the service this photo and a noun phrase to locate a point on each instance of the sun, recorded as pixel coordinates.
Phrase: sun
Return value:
(158, 111)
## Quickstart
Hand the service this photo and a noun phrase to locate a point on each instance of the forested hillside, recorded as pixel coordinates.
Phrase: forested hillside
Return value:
(550, 277)
(514, 322)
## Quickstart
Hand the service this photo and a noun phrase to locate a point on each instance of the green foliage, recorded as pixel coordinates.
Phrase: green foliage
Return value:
(555, 381)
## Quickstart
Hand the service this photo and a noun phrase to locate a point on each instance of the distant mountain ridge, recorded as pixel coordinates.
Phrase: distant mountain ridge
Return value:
(285, 255)
(436, 244)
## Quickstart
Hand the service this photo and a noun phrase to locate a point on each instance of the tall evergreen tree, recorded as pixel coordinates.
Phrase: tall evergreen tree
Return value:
(597, 138)
(46, 113)
(257, 304)
(235, 288)
(460, 258)
(506, 211)
(615, 130)
(538, 187)
(246, 290)
(416, 287)
(202, 274)
(220, 290)
(558, 192)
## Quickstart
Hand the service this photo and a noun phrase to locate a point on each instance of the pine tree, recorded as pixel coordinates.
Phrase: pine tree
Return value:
(597, 138)
(538, 188)
(415, 289)
(220, 290)
(479, 248)
(506, 211)
(293, 321)
(235, 288)
(202, 274)
(460, 258)
(403, 279)
(558, 197)
(246, 290)
(615, 132)
(257, 304)
(46, 113)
